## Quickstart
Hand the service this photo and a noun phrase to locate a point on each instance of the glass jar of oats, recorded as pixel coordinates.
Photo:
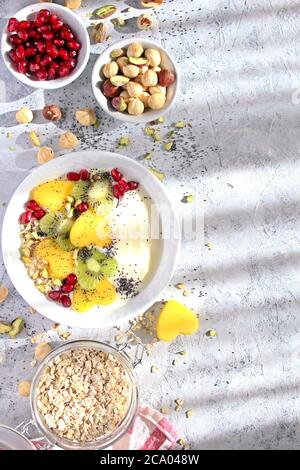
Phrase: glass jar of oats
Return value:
(84, 396)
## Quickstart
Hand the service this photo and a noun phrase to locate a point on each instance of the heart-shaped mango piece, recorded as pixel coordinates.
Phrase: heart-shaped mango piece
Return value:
(176, 319)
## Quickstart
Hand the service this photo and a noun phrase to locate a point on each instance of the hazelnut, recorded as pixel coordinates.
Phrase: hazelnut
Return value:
(109, 90)
(153, 56)
(135, 107)
(145, 21)
(145, 99)
(122, 61)
(68, 140)
(24, 116)
(157, 89)
(135, 50)
(131, 71)
(116, 53)
(111, 69)
(166, 78)
(42, 350)
(86, 117)
(73, 4)
(125, 96)
(44, 155)
(24, 388)
(149, 78)
(144, 69)
(52, 112)
(157, 101)
(134, 89)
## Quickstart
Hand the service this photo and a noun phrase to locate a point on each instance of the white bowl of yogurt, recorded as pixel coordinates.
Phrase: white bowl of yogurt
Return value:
(148, 260)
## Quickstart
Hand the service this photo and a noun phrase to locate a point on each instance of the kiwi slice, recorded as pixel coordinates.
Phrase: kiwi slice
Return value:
(80, 190)
(54, 223)
(63, 241)
(100, 196)
(92, 265)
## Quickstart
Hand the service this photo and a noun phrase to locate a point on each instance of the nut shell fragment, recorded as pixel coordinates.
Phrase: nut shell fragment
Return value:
(86, 117)
(24, 388)
(42, 350)
(44, 155)
(68, 140)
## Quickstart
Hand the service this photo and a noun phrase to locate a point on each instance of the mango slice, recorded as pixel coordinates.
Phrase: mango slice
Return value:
(52, 195)
(104, 294)
(90, 229)
(61, 262)
(175, 319)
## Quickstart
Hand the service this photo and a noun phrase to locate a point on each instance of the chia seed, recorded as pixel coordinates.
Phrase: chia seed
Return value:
(127, 287)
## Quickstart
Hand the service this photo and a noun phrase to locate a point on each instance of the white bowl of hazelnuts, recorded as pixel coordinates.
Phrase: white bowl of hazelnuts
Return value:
(135, 81)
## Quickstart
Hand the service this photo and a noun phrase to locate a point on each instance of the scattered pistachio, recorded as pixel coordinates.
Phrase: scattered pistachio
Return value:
(100, 33)
(124, 141)
(24, 116)
(161, 176)
(154, 369)
(181, 353)
(34, 138)
(44, 155)
(106, 11)
(24, 388)
(186, 293)
(86, 116)
(160, 120)
(211, 333)
(5, 327)
(97, 124)
(149, 131)
(149, 156)
(165, 410)
(180, 125)
(119, 80)
(3, 294)
(169, 146)
(157, 137)
(188, 199)
(180, 286)
(145, 21)
(17, 326)
(209, 245)
(119, 22)
(189, 414)
(171, 134)
(9, 135)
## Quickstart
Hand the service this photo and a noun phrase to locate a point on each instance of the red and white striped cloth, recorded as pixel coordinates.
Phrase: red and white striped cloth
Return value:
(150, 431)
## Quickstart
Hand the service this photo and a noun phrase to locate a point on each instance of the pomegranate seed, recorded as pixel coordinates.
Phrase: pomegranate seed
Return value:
(67, 288)
(20, 51)
(132, 185)
(39, 214)
(59, 42)
(22, 66)
(24, 25)
(63, 71)
(32, 205)
(15, 40)
(123, 185)
(116, 174)
(53, 19)
(51, 50)
(38, 58)
(55, 65)
(46, 61)
(12, 54)
(30, 52)
(44, 29)
(84, 175)
(55, 295)
(63, 54)
(40, 46)
(57, 26)
(72, 176)
(71, 279)
(66, 301)
(48, 35)
(34, 34)
(51, 73)
(23, 35)
(45, 12)
(71, 64)
(118, 193)
(67, 34)
(41, 75)
(74, 45)
(34, 67)
(83, 207)
(25, 218)
(73, 54)
(13, 25)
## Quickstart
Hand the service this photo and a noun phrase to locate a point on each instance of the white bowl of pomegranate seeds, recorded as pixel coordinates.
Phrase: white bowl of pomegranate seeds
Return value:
(45, 46)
